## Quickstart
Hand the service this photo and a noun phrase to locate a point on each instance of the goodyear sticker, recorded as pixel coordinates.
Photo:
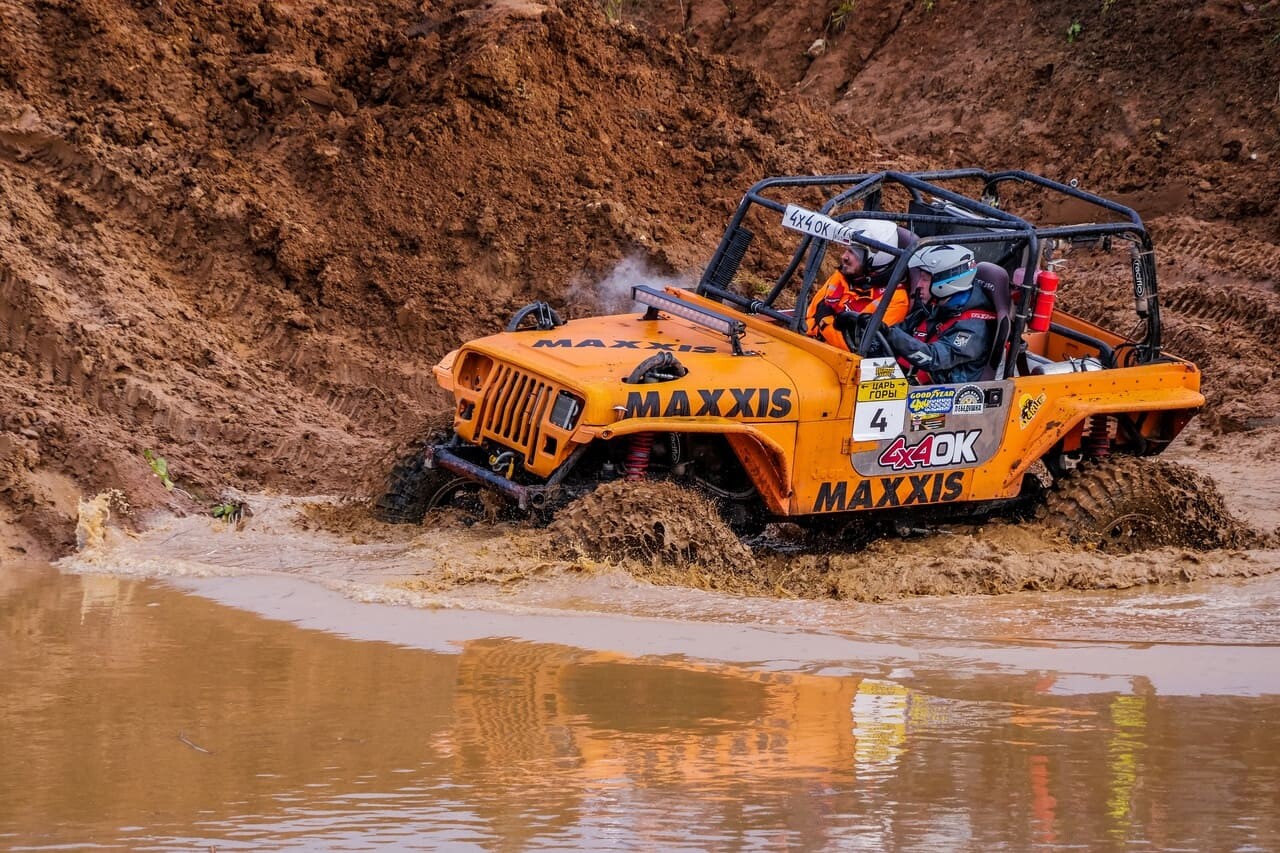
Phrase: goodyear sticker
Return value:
(930, 401)
(881, 390)
(1028, 408)
(968, 401)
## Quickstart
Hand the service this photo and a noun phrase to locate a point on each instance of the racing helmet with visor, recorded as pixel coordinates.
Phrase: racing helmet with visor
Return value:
(880, 230)
(951, 269)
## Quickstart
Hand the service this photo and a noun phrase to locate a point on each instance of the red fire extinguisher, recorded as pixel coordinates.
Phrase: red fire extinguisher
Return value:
(1047, 283)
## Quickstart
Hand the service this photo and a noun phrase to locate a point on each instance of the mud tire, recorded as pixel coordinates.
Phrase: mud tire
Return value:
(1125, 504)
(411, 489)
(656, 522)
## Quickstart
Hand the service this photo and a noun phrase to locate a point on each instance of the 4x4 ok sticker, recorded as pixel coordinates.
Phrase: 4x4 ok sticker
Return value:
(936, 450)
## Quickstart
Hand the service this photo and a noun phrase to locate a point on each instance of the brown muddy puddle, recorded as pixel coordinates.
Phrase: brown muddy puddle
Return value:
(310, 679)
(265, 712)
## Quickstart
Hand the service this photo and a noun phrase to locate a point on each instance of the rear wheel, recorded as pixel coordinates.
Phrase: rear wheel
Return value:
(654, 521)
(1123, 504)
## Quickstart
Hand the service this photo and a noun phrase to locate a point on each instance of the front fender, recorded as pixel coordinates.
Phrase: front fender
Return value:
(763, 456)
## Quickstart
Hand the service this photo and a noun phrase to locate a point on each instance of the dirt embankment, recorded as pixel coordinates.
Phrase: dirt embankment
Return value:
(239, 235)
(1169, 107)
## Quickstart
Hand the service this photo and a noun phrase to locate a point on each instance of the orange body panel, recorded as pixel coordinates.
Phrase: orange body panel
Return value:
(816, 430)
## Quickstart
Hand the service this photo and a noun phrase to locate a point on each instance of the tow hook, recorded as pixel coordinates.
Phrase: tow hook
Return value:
(503, 463)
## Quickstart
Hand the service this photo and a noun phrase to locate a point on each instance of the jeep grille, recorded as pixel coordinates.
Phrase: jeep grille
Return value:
(502, 404)
(513, 407)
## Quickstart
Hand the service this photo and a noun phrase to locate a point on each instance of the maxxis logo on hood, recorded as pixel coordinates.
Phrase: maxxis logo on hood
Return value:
(710, 403)
(599, 343)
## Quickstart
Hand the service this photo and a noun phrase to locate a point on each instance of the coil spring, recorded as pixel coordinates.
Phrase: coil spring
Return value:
(1097, 436)
(638, 455)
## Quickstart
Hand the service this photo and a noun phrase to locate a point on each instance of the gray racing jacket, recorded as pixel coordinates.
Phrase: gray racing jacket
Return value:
(946, 345)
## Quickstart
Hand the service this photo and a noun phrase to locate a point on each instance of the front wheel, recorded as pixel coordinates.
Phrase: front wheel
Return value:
(412, 489)
(658, 522)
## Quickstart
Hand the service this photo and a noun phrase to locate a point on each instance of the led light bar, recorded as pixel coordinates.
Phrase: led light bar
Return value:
(657, 301)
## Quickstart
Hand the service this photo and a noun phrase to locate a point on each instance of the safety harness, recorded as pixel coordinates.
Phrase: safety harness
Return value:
(924, 332)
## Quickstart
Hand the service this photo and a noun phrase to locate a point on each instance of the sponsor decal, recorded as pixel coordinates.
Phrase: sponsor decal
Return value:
(935, 450)
(931, 401)
(924, 422)
(879, 390)
(1028, 408)
(881, 492)
(710, 402)
(879, 368)
(597, 343)
(961, 338)
(968, 401)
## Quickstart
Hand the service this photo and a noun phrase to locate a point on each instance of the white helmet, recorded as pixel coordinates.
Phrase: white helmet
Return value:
(951, 269)
(880, 230)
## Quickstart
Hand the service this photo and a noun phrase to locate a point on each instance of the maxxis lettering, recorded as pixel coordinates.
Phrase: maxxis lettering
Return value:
(710, 402)
(885, 492)
(597, 343)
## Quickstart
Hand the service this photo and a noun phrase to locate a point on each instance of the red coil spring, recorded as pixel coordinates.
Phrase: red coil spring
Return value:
(1097, 436)
(638, 455)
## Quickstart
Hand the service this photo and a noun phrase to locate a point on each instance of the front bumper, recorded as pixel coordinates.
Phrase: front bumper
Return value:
(525, 496)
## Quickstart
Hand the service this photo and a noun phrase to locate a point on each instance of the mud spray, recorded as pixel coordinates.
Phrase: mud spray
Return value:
(662, 541)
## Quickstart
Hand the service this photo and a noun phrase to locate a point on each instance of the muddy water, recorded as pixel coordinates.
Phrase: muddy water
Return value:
(241, 709)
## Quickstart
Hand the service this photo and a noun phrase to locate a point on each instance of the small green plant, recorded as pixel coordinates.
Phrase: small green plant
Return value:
(928, 5)
(1074, 31)
(839, 17)
(613, 10)
(160, 467)
(1106, 5)
(230, 511)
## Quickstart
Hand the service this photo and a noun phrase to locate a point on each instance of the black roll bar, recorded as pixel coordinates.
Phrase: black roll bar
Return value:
(989, 223)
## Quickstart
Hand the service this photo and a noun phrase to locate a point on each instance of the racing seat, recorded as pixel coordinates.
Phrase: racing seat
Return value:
(995, 281)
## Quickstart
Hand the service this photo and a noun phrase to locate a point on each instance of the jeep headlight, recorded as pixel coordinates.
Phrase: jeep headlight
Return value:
(565, 411)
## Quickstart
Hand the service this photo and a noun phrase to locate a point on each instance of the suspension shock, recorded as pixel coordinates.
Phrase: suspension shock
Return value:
(638, 455)
(1097, 436)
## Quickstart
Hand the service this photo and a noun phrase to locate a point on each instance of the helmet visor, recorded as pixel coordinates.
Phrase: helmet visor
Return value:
(944, 277)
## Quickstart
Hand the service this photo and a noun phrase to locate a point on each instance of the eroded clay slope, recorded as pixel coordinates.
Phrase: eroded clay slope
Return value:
(240, 234)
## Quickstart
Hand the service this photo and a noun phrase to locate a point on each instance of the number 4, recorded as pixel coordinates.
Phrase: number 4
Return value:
(879, 422)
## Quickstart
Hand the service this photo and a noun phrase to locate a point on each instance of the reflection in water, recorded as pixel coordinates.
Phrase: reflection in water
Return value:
(135, 717)
(1129, 720)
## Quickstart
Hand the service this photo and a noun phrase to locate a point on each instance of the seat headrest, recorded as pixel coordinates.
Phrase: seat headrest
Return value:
(907, 238)
(995, 280)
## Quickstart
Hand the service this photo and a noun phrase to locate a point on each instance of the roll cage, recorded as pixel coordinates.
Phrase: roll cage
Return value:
(936, 214)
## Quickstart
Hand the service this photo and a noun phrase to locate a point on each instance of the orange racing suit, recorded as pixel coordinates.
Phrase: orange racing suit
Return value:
(838, 295)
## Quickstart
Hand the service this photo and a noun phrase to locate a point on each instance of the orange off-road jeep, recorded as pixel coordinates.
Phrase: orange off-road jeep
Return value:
(720, 390)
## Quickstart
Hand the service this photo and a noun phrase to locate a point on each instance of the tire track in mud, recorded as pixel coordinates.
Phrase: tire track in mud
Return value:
(1220, 313)
(105, 381)
(1229, 310)
(100, 185)
(1219, 245)
(348, 384)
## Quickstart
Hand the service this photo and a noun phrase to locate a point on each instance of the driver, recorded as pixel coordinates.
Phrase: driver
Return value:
(857, 287)
(949, 337)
